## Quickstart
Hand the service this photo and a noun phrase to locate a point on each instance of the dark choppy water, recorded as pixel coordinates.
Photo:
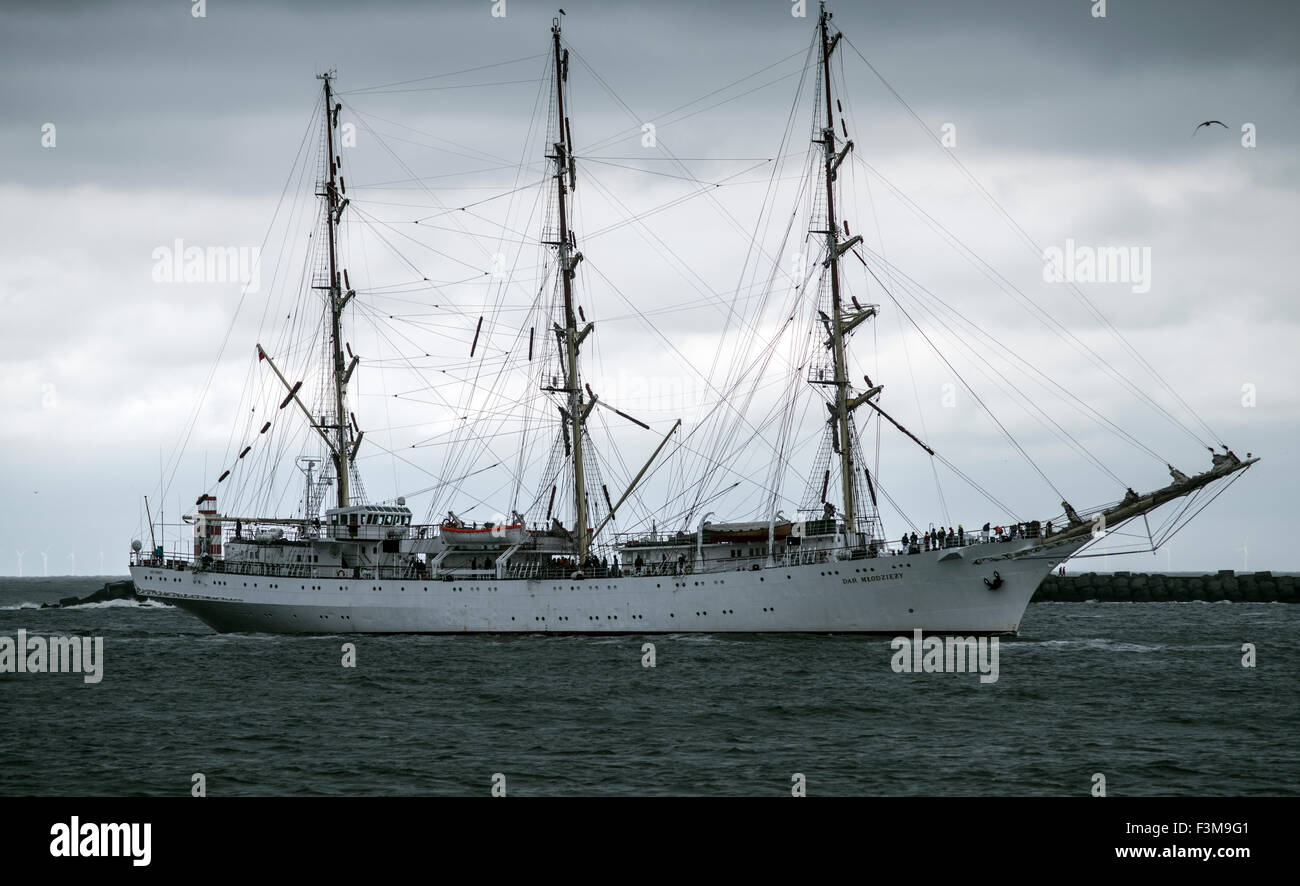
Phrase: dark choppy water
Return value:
(1153, 695)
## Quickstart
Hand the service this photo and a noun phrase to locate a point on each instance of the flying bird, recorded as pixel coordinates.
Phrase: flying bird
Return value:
(1207, 123)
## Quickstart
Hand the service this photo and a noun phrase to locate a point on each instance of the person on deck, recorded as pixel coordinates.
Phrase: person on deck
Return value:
(961, 534)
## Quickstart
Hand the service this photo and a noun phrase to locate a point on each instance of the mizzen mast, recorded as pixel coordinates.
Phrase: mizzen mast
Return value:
(338, 436)
(342, 448)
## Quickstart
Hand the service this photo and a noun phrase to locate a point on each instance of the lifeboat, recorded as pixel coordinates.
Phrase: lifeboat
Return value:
(486, 536)
(744, 532)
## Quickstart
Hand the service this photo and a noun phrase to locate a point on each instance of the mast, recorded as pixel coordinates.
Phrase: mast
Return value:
(833, 250)
(337, 300)
(571, 337)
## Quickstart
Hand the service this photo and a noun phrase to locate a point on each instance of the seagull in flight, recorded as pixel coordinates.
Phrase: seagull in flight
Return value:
(1207, 123)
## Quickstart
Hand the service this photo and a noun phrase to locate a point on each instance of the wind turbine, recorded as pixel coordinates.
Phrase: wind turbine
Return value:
(45, 559)
(1245, 555)
(20, 563)
(73, 558)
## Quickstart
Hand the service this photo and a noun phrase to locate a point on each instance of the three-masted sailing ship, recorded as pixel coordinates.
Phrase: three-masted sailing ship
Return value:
(355, 566)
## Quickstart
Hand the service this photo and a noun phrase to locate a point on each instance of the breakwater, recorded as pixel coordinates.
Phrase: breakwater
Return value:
(1245, 587)
(113, 590)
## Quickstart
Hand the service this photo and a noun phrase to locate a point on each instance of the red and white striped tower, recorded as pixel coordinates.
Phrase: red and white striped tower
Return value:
(207, 533)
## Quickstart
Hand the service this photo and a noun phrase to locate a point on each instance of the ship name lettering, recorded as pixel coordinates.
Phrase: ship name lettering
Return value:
(884, 576)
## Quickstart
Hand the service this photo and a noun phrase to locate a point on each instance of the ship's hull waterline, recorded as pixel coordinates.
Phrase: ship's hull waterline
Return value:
(940, 591)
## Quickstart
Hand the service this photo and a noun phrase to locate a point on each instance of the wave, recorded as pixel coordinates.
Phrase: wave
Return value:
(1091, 643)
(1164, 602)
(23, 605)
(121, 604)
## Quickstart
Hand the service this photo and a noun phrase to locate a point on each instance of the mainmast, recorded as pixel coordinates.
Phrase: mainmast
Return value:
(840, 323)
(570, 336)
(335, 203)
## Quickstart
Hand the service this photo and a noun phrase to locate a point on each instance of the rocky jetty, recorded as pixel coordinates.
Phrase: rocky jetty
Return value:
(1141, 587)
(114, 590)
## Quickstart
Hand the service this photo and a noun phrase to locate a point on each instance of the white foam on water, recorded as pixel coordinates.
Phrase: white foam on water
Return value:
(121, 604)
(1091, 643)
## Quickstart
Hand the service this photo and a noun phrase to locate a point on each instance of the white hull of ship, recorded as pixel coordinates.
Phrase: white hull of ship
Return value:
(941, 591)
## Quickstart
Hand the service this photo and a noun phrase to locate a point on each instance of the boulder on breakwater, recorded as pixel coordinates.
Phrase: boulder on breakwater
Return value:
(1139, 587)
(114, 590)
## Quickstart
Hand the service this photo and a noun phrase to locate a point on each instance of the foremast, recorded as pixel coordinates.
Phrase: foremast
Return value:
(841, 321)
(570, 335)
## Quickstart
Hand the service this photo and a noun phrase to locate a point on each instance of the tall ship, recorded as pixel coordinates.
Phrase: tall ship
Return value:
(551, 561)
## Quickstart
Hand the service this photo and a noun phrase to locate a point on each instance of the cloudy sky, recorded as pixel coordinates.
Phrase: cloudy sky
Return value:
(128, 126)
